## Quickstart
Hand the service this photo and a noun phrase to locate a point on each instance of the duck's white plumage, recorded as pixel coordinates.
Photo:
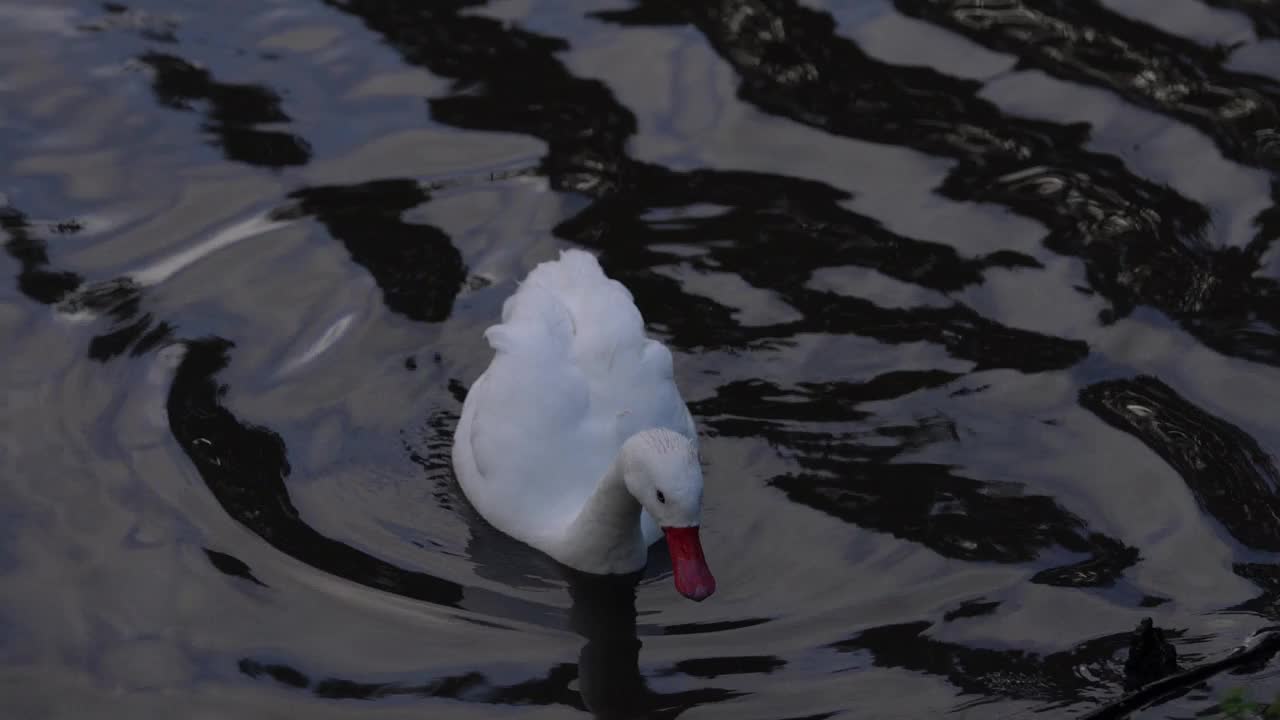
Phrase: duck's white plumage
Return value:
(572, 378)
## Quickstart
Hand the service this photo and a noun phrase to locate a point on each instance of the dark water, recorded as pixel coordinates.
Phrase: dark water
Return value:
(975, 305)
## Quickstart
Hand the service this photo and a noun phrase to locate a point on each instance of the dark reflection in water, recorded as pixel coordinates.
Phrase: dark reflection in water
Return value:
(508, 79)
(1267, 577)
(791, 63)
(800, 228)
(799, 223)
(1085, 42)
(608, 676)
(1059, 678)
(132, 330)
(610, 682)
(233, 110)
(850, 475)
(35, 279)
(1215, 293)
(416, 266)
(1232, 478)
(958, 517)
(120, 300)
(244, 466)
(1141, 242)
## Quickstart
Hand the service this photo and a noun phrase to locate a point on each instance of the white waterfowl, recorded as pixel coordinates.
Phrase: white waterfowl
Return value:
(575, 439)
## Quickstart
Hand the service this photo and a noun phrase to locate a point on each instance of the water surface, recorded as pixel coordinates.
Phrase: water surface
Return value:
(975, 306)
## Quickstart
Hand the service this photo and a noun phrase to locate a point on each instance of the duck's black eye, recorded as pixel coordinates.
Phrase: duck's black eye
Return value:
(661, 498)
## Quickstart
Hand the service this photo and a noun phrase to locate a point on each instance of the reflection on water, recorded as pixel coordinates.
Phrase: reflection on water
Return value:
(607, 674)
(850, 476)
(417, 267)
(1087, 43)
(1056, 679)
(245, 468)
(1231, 476)
(233, 111)
(35, 278)
(961, 434)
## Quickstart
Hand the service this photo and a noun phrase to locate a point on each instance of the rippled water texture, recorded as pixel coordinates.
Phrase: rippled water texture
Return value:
(975, 305)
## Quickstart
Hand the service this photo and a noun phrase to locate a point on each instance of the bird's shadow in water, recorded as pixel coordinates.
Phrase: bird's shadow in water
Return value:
(609, 678)
(610, 683)
(602, 611)
(604, 614)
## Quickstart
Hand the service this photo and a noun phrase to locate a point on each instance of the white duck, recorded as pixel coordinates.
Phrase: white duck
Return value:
(575, 439)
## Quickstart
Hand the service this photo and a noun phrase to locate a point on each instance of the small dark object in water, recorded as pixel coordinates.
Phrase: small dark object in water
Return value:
(1256, 650)
(1151, 657)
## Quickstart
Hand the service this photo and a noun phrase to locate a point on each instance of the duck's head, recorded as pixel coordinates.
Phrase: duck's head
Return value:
(662, 471)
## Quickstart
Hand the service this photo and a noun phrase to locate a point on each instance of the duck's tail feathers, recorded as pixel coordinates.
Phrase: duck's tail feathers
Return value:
(569, 303)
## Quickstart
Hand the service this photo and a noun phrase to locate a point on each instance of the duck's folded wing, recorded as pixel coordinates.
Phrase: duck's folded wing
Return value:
(531, 435)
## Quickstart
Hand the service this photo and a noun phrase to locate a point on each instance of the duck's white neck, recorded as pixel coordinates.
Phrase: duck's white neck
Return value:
(606, 536)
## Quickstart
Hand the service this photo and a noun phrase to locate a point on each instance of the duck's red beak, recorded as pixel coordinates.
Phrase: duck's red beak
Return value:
(693, 577)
